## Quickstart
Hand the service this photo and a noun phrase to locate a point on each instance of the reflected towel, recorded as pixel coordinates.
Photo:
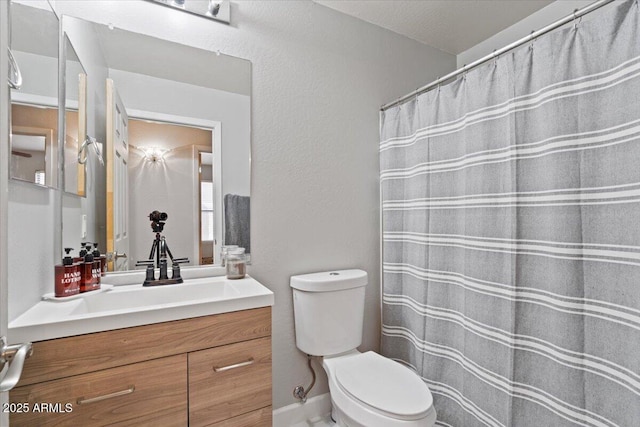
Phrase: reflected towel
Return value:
(236, 221)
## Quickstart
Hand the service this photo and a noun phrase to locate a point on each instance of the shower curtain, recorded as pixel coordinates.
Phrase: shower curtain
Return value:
(511, 232)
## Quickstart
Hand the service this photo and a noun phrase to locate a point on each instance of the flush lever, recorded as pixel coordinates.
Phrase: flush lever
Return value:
(14, 355)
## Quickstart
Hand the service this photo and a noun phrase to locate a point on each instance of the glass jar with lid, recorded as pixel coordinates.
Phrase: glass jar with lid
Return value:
(224, 252)
(236, 263)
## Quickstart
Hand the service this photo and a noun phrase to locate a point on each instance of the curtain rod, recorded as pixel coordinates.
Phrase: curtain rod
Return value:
(534, 35)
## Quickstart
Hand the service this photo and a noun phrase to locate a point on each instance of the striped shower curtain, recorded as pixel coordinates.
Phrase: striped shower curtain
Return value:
(511, 232)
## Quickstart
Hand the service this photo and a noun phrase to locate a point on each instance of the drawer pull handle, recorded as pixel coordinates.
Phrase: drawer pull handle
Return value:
(234, 366)
(83, 401)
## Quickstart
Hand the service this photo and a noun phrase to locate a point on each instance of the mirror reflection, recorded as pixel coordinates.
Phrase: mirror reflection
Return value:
(75, 119)
(166, 170)
(176, 140)
(34, 112)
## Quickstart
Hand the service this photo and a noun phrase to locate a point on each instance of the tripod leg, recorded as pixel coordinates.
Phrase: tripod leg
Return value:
(166, 246)
(153, 249)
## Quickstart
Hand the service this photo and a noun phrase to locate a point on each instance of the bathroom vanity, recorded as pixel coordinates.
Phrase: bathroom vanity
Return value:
(209, 370)
(196, 353)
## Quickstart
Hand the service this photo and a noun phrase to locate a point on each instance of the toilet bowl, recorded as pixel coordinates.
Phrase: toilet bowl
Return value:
(370, 390)
(367, 389)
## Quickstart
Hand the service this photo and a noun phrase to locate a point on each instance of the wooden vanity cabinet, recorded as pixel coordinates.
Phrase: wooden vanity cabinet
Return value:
(207, 371)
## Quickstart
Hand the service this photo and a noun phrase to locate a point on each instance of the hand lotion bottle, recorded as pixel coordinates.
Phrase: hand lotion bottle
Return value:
(68, 277)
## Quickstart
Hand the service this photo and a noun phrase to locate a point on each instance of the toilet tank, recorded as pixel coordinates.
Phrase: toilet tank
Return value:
(329, 310)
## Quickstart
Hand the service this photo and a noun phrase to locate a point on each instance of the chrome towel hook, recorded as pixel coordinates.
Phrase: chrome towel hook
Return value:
(84, 148)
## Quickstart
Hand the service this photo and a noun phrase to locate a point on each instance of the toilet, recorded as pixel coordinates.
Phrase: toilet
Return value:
(367, 389)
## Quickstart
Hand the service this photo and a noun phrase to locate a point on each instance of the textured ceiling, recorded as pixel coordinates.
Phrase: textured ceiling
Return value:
(452, 25)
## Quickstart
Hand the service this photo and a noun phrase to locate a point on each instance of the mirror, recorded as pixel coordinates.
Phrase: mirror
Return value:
(174, 125)
(34, 107)
(75, 128)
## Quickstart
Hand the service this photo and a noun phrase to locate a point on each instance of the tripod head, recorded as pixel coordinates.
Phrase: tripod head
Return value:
(158, 220)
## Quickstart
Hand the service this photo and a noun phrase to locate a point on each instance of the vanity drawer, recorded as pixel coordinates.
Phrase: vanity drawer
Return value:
(64, 357)
(229, 381)
(148, 393)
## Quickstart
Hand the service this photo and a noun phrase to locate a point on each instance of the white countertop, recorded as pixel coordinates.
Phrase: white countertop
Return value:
(124, 306)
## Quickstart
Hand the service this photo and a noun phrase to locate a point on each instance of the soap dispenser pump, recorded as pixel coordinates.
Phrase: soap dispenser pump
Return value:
(81, 253)
(67, 276)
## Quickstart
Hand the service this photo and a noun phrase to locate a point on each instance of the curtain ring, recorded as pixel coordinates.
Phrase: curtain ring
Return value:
(532, 40)
(576, 21)
(495, 58)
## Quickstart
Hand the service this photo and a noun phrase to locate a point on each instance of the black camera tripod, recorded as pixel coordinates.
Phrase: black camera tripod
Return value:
(159, 251)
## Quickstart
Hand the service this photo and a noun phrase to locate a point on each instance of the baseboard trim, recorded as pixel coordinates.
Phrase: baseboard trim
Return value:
(296, 413)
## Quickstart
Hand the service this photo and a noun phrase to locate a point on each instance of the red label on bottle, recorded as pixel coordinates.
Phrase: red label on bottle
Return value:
(67, 281)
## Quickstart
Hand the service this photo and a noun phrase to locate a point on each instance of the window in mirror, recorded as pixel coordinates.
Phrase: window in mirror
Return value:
(207, 209)
(40, 177)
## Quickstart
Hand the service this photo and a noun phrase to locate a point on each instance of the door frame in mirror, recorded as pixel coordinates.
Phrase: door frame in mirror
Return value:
(216, 147)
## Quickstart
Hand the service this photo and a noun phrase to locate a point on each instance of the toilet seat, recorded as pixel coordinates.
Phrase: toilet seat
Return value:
(384, 386)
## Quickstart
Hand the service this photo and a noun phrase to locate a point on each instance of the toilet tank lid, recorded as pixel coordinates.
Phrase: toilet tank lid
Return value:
(328, 281)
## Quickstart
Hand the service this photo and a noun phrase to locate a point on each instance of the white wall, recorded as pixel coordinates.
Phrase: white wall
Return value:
(40, 77)
(535, 21)
(319, 78)
(164, 186)
(33, 247)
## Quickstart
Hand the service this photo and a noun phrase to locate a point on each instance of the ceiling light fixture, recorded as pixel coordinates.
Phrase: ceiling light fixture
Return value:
(216, 10)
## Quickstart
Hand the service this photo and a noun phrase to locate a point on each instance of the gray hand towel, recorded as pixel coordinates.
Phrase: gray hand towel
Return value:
(236, 221)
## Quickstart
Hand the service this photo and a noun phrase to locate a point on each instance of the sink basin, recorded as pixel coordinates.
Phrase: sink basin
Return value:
(139, 297)
(133, 305)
